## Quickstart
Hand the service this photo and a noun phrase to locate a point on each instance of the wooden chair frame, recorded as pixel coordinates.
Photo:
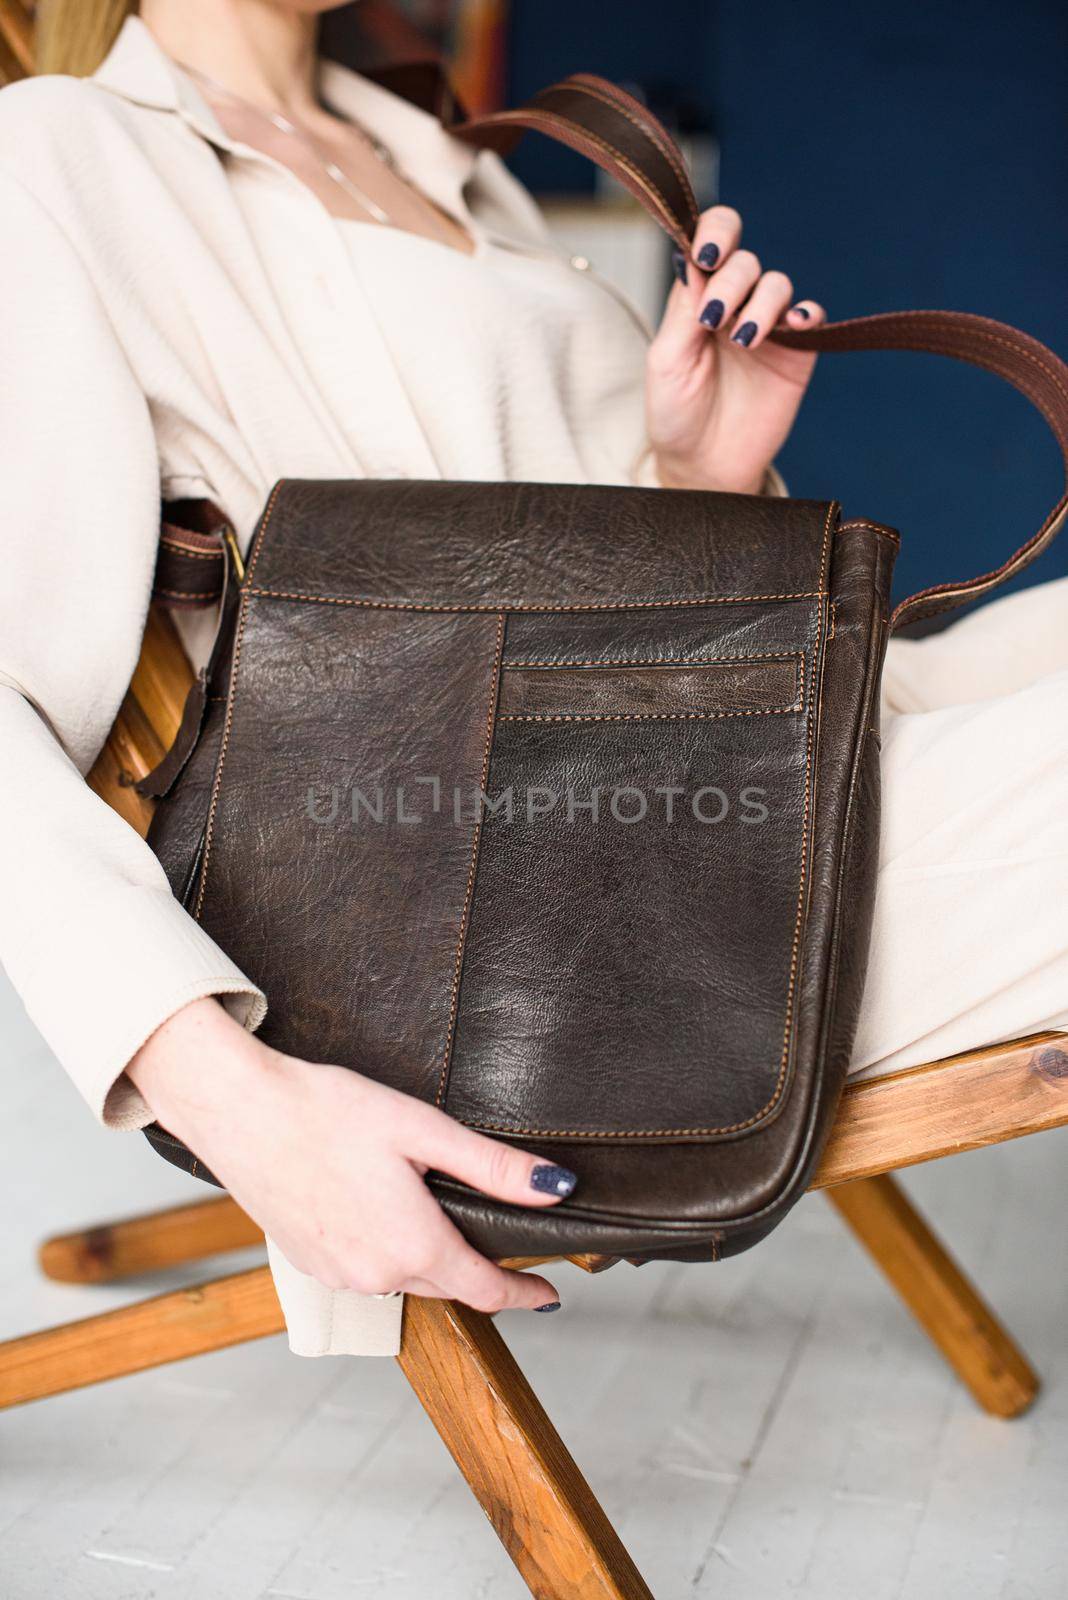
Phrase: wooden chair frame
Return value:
(455, 1359)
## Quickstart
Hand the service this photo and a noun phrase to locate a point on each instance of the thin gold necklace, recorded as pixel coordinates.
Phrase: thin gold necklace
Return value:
(331, 168)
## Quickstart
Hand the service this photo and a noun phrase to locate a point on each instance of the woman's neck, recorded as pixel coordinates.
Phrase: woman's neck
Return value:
(263, 52)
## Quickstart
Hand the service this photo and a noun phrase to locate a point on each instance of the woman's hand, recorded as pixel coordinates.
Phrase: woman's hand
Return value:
(331, 1165)
(720, 399)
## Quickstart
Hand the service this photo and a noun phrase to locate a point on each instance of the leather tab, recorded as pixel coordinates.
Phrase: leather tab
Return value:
(212, 551)
(159, 782)
(191, 560)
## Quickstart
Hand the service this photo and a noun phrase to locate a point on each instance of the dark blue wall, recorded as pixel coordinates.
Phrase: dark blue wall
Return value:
(915, 155)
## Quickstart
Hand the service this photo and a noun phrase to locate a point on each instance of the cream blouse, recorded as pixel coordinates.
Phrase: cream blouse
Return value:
(181, 315)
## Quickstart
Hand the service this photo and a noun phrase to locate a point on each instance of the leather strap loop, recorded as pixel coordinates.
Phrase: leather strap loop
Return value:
(193, 568)
(189, 568)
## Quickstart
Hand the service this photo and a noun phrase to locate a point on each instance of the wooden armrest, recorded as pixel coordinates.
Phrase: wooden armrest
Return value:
(16, 41)
(147, 722)
(962, 1103)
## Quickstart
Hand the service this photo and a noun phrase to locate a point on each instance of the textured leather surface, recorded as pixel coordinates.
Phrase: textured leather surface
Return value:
(534, 546)
(650, 688)
(621, 993)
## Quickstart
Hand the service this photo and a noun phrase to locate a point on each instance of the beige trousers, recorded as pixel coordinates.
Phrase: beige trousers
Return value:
(970, 941)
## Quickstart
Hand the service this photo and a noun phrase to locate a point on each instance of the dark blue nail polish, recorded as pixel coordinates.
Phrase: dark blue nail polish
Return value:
(707, 256)
(712, 315)
(678, 262)
(799, 311)
(548, 1179)
(554, 1305)
(745, 335)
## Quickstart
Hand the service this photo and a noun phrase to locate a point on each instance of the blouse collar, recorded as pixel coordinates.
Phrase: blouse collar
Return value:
(139, 70)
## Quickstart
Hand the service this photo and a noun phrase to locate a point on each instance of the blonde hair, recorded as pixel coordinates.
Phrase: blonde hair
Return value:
(74, 36)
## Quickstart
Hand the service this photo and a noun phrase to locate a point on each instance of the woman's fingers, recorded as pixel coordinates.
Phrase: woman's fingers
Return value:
(727, 294)
(763, 306)
(727, 289)
(805, 314)
(702, 305)
(448, 1267)
(718, 231)
(467, 1276)
(721, 289)
(681, 336)
(488, 1165)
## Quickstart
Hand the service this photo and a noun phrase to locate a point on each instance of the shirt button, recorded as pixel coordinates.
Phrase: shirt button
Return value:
(581, 263)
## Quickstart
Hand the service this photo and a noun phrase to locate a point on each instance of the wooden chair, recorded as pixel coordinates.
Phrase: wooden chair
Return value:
(455, 1359)
(16, 40)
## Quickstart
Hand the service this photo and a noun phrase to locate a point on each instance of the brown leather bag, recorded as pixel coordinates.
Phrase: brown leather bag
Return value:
(644, 956)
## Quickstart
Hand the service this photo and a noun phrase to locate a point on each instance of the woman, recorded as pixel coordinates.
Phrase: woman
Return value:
(224, 261)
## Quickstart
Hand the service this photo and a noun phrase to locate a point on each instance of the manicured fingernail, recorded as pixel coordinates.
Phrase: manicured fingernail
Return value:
(707, 256)
(548, 1179)
(712, 315)
(554, 1305)
(799, 311)
(678, 262)
(745, 335)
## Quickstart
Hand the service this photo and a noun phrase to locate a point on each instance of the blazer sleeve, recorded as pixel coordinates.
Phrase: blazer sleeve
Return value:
(94, 942)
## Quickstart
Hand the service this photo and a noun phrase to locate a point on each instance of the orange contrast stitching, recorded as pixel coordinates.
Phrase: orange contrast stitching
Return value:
(656, 716)
(186, 550)
(872, 527)
(620, 160)
(641, 661)
(580, 82)
(944, 596)
(535, 605)
(469, 893)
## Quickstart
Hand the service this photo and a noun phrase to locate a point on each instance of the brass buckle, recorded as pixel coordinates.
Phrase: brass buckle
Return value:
(230, 539)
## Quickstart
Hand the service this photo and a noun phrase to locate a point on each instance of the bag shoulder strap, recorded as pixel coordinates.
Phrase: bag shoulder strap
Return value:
(623, 137)
(1021, 361)
(615, 131)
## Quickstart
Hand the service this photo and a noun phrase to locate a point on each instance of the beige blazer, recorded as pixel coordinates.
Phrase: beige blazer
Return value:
(182, 316)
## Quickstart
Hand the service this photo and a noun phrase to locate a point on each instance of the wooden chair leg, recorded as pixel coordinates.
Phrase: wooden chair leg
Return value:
(543, 1510)
(188, 1322)
(459, 1366)
(940, 1297)
(145, 1244)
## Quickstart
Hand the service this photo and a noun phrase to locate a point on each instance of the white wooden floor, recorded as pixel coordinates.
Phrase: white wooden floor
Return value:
(771, 1427)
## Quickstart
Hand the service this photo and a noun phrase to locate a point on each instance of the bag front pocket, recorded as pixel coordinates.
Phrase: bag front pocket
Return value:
(629, 964)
